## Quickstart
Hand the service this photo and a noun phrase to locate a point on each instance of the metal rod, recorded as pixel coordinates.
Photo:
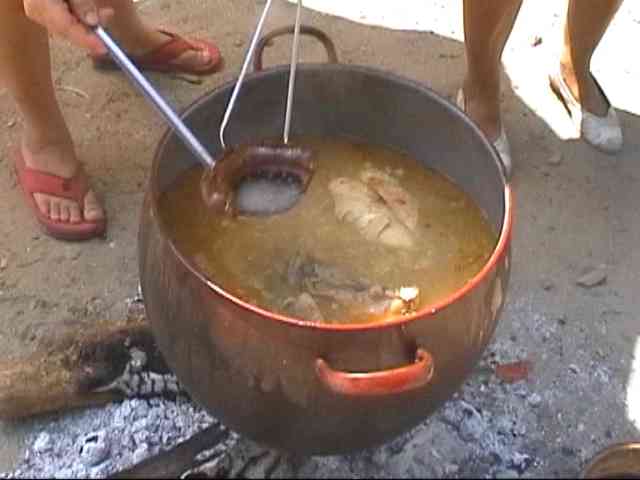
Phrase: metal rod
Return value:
(292, 74)
(247, 61)
(156, 99)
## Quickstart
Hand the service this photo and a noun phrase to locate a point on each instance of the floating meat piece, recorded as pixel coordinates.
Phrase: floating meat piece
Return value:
(380, 209)
(358, 297)
(400, 202)
(324, 280)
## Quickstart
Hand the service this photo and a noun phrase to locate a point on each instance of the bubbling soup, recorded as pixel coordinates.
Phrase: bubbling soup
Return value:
(376, 235)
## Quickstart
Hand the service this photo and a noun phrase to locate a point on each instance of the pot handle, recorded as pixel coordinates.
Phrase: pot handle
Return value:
(332, 55)
(384, 382)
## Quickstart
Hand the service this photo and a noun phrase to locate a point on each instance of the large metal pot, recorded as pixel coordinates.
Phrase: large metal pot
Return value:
(616, 461)
(325, 389)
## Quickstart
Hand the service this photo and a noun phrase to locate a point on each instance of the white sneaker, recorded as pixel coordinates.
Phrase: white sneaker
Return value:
(501, 144)
(603, 133)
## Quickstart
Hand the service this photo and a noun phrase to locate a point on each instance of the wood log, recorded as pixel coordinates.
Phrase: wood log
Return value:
(71, 369)
(70, 373)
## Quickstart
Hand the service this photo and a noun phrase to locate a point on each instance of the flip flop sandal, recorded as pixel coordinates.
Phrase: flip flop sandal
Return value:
(74, 189)
(162, 59)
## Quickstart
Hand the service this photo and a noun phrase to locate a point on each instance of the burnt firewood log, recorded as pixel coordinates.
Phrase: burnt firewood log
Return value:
(86, 367)
(110, 361)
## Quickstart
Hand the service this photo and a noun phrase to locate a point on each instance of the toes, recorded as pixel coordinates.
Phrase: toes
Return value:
(92, 209)
(75, 215)
(44, 204)
(204, 56)
(64, 211)
(195, 58)
(54, 211)
(67, 211)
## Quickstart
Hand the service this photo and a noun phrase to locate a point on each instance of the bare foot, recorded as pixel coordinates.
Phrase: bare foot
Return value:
(585, 90)
(60, 159)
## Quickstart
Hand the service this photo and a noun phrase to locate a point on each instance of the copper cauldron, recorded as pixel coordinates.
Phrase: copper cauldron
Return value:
(617, 461)
(325, 389)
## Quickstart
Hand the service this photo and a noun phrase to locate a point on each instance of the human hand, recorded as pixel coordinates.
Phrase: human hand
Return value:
(70, 19)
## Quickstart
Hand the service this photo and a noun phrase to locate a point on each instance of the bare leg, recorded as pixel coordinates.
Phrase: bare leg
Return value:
(25, 70)
(138, 38)
(487, 25)
(587, 21)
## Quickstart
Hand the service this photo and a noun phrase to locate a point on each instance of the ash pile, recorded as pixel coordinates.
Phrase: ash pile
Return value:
(516, 416)
(100, 442)
(462, 439)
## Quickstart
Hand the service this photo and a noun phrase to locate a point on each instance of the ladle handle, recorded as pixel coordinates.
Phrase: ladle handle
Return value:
(243, 72)
(384, 382)
(292, 74)
(332, 54)
(139, 80)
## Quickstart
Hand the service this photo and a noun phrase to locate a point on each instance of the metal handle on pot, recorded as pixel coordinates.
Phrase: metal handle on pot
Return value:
(384, 382)
(332, 54)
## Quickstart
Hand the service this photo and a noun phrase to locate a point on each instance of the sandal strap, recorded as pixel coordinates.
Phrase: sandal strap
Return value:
(74, 188)
(168, 51)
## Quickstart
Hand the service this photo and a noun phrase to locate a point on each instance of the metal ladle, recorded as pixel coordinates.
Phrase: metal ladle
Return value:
(217, 185)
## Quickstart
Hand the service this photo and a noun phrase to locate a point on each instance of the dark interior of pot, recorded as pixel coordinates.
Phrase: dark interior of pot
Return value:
(339, 101)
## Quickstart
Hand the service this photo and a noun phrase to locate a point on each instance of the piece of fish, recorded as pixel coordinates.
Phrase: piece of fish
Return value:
(403, 205)
(378, 206)
(358, 297)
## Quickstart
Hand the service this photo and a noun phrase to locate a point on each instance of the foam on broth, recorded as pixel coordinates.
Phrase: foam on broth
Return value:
(248, 256)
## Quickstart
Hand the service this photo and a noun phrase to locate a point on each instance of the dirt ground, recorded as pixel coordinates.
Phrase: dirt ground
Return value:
(576, 208)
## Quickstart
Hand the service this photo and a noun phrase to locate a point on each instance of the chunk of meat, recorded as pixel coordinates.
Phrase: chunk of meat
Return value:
(403, 205)
(324, 280)
(357, 297)
(378, 207)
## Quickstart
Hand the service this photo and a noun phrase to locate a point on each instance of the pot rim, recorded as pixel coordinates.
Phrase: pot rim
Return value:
(497, 255)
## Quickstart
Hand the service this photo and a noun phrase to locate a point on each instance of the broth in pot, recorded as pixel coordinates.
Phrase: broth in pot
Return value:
(376, 235)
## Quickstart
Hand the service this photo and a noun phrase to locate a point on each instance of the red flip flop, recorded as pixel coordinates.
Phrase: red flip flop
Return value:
(162, 58)
(74, 188)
